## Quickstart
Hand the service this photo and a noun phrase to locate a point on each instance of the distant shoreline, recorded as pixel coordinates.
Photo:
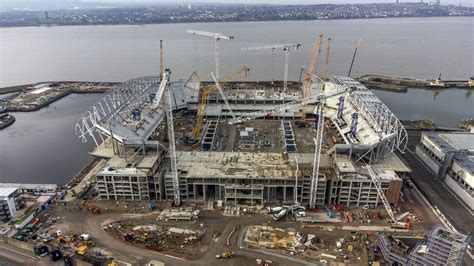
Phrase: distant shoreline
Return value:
(226, 21)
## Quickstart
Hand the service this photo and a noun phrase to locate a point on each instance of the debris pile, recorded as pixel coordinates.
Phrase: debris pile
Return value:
(161, 238)
(274, 238)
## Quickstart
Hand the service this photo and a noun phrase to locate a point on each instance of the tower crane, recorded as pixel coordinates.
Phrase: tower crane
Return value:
(203, 94)
(172, 144)
(221, 91)
(377, 183)
(217, 37)
(286, 48)
(307, 80)
(354, 56)
(318, 141)
(325, 75)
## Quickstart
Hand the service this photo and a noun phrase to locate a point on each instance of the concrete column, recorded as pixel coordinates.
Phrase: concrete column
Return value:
(194, 191)
(284, 193)
(204, 192)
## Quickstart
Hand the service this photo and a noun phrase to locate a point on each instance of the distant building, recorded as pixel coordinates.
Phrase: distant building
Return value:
(438, 2)
(451, 157)
(441, 247)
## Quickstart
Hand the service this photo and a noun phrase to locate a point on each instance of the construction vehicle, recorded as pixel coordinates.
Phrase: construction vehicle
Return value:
(271, 210)
(91, 207)
(203, 94)
(225, 255)
(279, 215)
(82, 250)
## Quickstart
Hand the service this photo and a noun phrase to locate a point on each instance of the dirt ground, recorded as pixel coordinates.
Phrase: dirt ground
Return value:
(73, 219)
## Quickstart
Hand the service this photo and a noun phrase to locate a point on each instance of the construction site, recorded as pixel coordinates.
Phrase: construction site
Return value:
(268, 172)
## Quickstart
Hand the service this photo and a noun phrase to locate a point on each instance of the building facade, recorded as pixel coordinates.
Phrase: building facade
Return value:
(451, 157)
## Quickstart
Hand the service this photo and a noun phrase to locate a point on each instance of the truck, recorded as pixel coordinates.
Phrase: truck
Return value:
(274, 209)
(278, 216)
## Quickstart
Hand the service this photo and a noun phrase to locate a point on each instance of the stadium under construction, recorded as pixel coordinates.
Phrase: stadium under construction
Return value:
(246, 142)
(325, 140)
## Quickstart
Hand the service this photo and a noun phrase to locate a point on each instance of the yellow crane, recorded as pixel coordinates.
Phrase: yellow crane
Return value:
(325, 76)
(307, 81)
(204, 93)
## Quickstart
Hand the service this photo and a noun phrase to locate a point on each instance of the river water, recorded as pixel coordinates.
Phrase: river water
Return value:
(41, 146)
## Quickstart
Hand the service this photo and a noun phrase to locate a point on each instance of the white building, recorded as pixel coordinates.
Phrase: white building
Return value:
(451, 157)
(8, 202)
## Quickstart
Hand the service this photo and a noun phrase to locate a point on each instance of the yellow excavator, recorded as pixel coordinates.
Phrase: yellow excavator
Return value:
(225, 255)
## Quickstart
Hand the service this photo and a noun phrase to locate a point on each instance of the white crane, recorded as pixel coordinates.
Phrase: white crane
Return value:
(172, 145)
(221, 91)
(286, 48)
(217, 37)
(377, 183)
(318, 143)
(161, 89)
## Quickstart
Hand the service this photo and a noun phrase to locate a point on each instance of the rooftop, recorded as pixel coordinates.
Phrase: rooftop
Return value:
(460, 143)
(5, 192)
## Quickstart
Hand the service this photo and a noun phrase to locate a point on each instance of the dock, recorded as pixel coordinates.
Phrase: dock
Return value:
(397, 84)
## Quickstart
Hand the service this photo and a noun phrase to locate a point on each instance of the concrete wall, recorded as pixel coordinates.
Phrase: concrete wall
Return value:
(462, 193)
(427, 160)
(18, 243)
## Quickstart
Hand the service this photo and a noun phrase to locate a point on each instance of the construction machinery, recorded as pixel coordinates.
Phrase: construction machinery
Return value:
(354, 56)
(307, 81)
(286, 48)
(203, 94)
(329, 212)
(217, 37)
(396, 221)
(225, 255)
(319, 125)
(91, 207)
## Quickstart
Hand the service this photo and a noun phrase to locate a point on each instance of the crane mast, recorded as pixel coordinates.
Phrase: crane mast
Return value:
(354, 56)
(161, 59)
(307, 82)
(217, 37)
(319, 110)
(172, 145)
(318, 141)
(325, 76)
(383, 198)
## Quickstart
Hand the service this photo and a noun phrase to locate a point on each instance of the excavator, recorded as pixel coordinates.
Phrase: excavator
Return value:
(91, 207)
(225, 255)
